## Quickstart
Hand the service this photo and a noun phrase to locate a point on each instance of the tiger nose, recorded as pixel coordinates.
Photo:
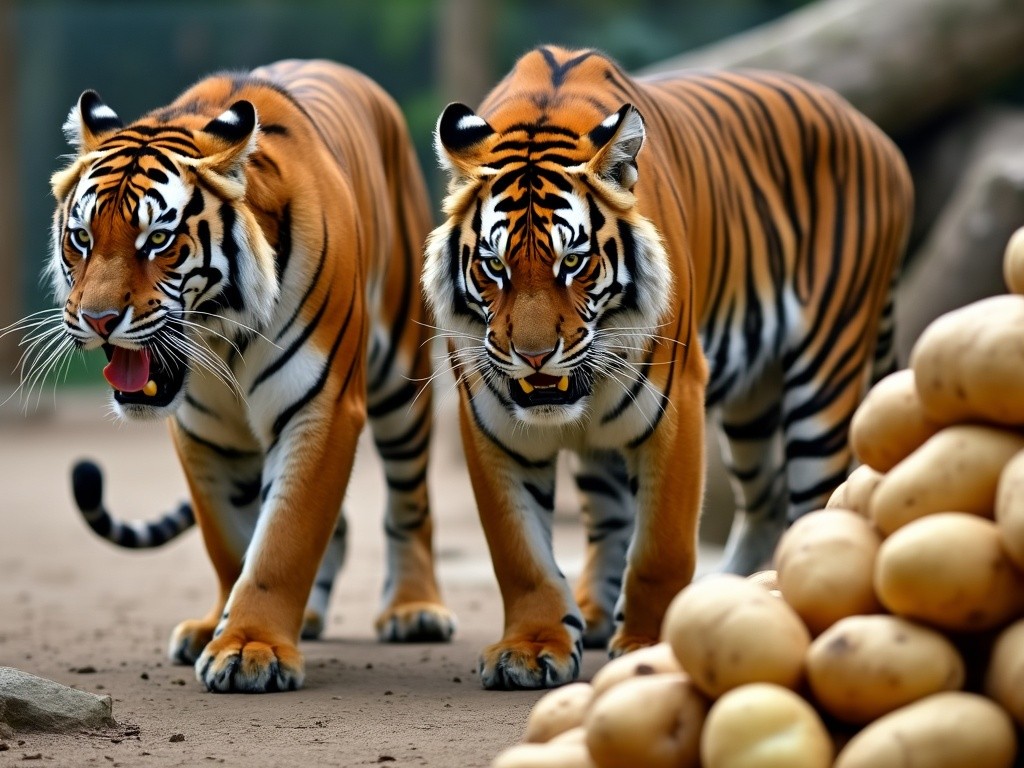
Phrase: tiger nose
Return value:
(102, 322)
(536, 360)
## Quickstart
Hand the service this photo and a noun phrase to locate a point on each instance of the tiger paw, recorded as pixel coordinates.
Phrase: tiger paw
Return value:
(236, 663)
(312, 625)
(189, 639)
(530, 662)
(419, 622)
(622, 643)
(599, 626)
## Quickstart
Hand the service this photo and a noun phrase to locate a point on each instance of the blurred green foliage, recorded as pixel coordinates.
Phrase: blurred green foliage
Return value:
(140, 54)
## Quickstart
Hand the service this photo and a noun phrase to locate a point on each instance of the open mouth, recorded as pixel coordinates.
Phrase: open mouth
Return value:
(138, 378)
(544, 389)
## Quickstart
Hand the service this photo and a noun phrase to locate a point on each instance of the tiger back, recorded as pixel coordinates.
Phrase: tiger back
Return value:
(248, 258)
(619, 254)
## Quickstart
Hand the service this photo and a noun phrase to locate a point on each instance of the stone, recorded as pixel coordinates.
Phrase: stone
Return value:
(30, 703)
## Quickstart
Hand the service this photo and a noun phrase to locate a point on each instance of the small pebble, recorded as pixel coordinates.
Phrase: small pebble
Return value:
(177, 737)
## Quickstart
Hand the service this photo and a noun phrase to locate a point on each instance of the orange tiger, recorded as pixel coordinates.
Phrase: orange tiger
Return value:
(620, 254)
(248, 257)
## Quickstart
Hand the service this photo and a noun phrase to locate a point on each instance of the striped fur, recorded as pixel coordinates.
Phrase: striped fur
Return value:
(255, 247)
(618, 255)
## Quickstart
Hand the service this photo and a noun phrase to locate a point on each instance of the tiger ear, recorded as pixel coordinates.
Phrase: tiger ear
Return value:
(618, 140)
(460, 138)
(89, 122)
(225, 144)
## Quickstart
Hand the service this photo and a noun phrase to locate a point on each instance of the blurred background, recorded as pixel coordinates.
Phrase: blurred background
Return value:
(944, 77)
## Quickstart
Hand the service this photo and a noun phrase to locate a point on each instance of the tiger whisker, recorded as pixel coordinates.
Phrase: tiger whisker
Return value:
(201, 329)
(41, 317)
(241, 325)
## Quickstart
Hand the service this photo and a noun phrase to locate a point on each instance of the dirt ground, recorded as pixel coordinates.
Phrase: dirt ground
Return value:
(77, 610)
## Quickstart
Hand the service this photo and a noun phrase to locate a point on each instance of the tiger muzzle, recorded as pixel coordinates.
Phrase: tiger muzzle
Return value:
(544, 389)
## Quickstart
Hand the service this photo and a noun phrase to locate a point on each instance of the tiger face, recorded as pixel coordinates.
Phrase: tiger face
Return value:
(551, 280)
(156, 258)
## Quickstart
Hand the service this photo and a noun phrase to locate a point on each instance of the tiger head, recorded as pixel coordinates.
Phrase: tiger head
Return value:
(156, 256)
(545, 272)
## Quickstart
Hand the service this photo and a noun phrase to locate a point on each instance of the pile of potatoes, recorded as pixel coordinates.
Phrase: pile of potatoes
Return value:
(891, 632)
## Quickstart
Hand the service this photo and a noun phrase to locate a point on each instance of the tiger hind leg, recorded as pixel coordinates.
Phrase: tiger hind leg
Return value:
(400, 417)
(752, 452)
(609, 512)
(315, 618)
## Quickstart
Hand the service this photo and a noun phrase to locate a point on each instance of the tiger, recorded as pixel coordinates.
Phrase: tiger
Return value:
(620, 260)
(248, 258)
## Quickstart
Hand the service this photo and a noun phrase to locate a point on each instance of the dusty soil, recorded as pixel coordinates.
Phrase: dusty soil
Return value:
(79, 611)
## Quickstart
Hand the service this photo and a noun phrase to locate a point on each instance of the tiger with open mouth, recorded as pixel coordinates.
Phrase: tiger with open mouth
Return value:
(248, 258)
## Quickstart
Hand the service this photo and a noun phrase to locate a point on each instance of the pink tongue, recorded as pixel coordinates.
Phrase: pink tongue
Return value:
(128, 370)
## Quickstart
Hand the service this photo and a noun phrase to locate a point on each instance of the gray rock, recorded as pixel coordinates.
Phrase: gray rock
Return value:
(30, 703)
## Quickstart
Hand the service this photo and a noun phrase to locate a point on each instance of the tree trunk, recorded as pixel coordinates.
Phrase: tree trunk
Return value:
(12, 304)
(901, 62)
(961, 260)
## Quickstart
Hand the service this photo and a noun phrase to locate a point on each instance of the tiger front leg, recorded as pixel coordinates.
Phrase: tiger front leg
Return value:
(223, 475)
(254, 648)
(668, 469)
(542, 643)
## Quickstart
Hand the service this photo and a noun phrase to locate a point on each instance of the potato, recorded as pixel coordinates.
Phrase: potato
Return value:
(767, 579)
(577, 735)
(863, 667)
(558, 711)
(1010, 508)
(653, 659)
(1013, 262)
(551, 755)
(826, 563)
(955, 470)
(945, 730)
(854, 494)
(950, 570)
(1004, 679)
(727, 631)
(969, 363)
(653, 721)
(763, 726)
(890, 423)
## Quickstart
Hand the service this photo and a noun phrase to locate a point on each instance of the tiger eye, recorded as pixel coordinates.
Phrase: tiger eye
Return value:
(81, 237)
(158, 238)
(496, 265)
(571, 261)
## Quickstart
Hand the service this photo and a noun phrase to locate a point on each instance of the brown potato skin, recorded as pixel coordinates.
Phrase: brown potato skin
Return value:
(761, 725)
(864, 667)
(1004, 679)
(854, 493)
(945, 730)
(552, 755)
(1010, 508)
(957, 469)
(558, 711)
(890, 422)
(1013, 262)
(654, 721)
(727, 631)
(949, 570)
(969, 363)
(652, 660)
(826, 563)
